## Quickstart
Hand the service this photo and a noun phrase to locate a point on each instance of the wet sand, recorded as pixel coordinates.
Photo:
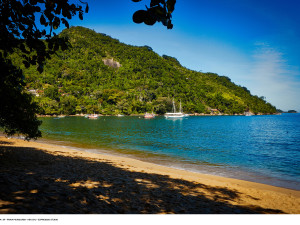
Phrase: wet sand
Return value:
(40, 178)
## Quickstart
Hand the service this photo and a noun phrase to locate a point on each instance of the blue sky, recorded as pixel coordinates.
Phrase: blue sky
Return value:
(256, 43)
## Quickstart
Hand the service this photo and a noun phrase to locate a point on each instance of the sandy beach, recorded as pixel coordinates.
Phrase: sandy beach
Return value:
(40, 178)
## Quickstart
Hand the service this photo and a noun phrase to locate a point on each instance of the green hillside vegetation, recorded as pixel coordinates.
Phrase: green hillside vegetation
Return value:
(99, 74)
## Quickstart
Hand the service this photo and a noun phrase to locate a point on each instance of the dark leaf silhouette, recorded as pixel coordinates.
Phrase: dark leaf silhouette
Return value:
(159, 11)
(139, 16)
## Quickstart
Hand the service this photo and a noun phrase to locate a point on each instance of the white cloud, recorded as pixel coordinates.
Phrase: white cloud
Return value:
(273, 77)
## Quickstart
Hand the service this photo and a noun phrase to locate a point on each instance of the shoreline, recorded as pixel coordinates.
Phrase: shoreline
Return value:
(152, 181)
(190, 114)
(243, 175)
(141, 115)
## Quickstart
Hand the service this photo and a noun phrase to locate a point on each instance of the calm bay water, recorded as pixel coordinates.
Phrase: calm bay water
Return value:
(263, 149)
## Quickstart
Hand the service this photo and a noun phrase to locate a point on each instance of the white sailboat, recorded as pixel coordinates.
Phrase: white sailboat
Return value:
(175, 114)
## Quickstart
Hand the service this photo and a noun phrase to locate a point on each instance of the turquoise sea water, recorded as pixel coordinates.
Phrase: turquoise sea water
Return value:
(263, 149)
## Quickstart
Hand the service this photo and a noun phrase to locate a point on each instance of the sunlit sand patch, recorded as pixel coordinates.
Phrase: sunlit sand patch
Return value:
(103, 198)
(61, 180)
(19, 192)
(147, 183)
(19, 198)
(4, 207)
(83, 202)
(108, 199)
(34, 191)
(4, 203)
(30, 173)
(117, 200)
(87, 184)
(106, 184)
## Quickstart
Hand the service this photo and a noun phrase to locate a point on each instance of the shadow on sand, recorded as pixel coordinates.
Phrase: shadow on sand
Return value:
(33, 181)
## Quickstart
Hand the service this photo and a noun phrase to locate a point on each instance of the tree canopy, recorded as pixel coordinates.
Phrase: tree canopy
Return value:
(19, 31)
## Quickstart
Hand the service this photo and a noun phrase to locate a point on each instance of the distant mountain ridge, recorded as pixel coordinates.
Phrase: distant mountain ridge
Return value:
(99, 74)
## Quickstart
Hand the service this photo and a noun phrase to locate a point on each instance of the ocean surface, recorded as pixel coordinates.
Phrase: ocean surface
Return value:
(264, 149)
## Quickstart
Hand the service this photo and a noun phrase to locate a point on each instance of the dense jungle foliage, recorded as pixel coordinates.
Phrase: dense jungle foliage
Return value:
(99, 74)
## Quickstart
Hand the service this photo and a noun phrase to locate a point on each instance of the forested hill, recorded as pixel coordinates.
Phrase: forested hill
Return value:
(102, 75)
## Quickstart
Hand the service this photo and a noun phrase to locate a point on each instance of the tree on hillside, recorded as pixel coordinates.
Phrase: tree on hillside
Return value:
(20, 32)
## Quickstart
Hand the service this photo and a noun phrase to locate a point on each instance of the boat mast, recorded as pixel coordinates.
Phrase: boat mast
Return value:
(174, 109)
(180, 109)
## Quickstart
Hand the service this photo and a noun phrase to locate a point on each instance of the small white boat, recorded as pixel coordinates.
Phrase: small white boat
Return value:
(60, 116)
(93, 116)
(175, 114)
(248, 114)
(120, 115)
(149, 115)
